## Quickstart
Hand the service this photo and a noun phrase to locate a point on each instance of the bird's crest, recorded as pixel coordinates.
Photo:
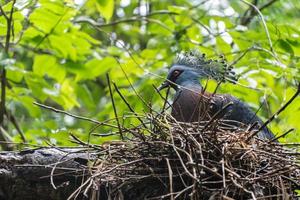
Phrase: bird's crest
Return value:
(218, 70)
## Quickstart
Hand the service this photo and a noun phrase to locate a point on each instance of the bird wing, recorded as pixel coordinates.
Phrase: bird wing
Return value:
(239, 112)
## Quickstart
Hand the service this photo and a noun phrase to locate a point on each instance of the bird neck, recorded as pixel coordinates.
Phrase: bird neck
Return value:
(191, 84)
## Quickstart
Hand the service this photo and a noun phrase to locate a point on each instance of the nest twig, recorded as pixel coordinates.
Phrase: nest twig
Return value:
(203, 160)
(165, 159)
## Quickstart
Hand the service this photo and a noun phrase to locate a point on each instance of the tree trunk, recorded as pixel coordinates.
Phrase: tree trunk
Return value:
(45, 173)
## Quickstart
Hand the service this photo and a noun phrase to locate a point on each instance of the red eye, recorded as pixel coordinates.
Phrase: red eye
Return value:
(176, 73)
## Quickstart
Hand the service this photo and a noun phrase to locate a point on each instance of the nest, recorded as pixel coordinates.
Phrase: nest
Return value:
(207, 160)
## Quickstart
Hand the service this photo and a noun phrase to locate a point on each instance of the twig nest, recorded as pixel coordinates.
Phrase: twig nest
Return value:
(196, 161)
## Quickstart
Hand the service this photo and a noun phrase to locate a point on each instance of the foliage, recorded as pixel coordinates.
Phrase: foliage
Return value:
(61, 50)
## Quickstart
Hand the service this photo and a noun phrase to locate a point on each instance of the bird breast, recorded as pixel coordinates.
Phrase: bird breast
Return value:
(190, 105)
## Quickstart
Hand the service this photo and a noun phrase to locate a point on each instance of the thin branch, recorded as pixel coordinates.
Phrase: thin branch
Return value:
(73, 115)
(3, 13)
(276, 113)
(128, 105)
(9, 20)
(247, 19)
(170, 178)
(218, 114)
(15, 123)
(267, 4)
(131, 19)
(134, 90)
(264, 25)
(164, 98)
(282, 135)
(114, 106)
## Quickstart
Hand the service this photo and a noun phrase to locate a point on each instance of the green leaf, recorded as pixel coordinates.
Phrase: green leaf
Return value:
(86, 96)
(177, 9)
(106, 8)
(47, 65)
(96, 67)
(37, 85)
(15, 73)
(283, 44)
(33, 110)
(67, 96)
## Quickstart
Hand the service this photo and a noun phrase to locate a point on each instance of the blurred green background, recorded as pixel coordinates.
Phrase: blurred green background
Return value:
(61, 50)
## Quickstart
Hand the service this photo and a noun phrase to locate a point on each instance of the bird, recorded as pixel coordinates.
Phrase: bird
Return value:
(192, 103)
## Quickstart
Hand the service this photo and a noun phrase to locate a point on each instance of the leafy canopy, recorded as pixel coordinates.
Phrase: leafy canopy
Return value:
(61, 50)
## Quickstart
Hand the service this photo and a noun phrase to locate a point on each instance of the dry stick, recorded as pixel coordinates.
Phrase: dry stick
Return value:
(294, 144)
(114, 106)
(246, 17)
(77, 141)
(240, 186)
(217, 114)
(205, 86)
(184, 190)
(54, 167)
(131, 19)
(164, 98)
(134, 90)
(136, 93)
(194, 192)
(255, 114)
(15, 123)
(170, 178)
(176, 149)
(280, 136)
(265, 27)
(128, 105)
(20, 143)
(217, 87)
(3, 70)
(251, 16)
(223, 166)
(243, 53)
(291, 180)
(253, 125)
(276, 114)
(267, 4)
(73, 115)
(76, 192)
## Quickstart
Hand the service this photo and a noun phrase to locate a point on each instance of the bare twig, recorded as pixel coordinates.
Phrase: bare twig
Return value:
(170, 178)
(128, 105)
(276, 113)
(73, 115)
(265, 27)
(283, 135)
(15, 123)
(247, 18)
(114, 106)
(9, 24)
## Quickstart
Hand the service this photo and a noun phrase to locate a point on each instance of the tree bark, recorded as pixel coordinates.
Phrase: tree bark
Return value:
(45, 173)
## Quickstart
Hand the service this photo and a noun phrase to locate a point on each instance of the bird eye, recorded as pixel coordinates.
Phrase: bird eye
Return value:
(176, 73)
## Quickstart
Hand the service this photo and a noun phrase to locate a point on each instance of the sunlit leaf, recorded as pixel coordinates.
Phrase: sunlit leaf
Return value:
(106, 8)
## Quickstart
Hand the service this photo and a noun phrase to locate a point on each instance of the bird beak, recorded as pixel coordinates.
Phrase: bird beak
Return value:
(164, 85)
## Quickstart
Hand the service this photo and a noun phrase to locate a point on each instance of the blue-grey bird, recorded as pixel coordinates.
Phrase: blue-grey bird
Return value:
(192, 104)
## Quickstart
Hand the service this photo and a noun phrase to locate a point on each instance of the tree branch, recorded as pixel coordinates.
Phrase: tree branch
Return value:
(277, 113)
(9, 20)
(247, 19)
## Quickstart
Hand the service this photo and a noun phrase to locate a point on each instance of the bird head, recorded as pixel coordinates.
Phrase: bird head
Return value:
(179, 75)
(191, 66)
